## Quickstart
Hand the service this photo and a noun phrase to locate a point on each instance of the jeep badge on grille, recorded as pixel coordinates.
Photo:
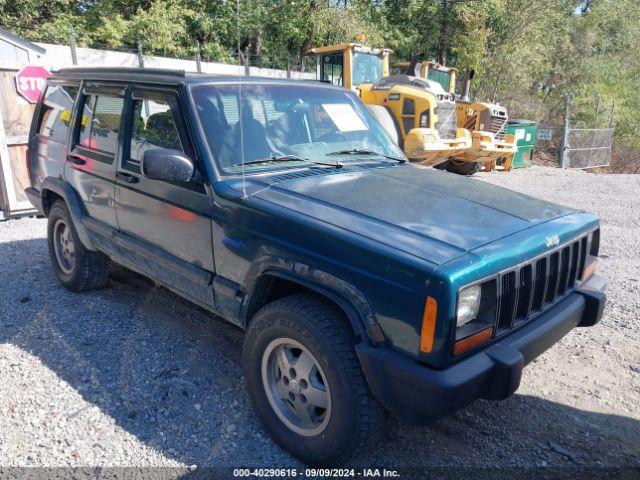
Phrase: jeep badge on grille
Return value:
(552, 240)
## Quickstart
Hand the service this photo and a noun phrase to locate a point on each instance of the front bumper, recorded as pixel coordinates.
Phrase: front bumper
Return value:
(415, 393)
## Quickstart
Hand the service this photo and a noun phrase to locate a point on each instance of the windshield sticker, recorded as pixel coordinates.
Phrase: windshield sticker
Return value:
(344, 117)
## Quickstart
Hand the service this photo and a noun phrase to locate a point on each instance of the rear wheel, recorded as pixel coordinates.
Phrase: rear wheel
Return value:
(305, 381)
(77, 268)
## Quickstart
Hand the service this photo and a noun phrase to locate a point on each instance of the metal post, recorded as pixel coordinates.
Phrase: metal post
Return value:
(595, 126)
(238, 34)
(198, 59)
(147, 112)
(288, 65)
(565, 138)
(247, 67)
(613, 113)
(74, 55)
(140, 57)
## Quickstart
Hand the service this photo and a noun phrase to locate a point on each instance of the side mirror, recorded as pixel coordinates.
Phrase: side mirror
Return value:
(167, 164)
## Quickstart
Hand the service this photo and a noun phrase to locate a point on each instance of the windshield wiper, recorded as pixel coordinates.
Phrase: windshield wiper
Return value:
(366, 151)
(287, 158)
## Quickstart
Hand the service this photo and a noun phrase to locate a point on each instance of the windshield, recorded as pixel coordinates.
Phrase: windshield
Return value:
(367, 68)
(443, 77)
(279, 120)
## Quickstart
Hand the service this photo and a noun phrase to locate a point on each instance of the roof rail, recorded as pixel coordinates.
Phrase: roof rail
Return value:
(128, 74)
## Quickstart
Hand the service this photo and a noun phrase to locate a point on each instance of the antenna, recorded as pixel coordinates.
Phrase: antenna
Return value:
(240, 106)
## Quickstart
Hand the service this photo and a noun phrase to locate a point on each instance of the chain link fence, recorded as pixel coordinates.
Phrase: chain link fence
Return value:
(584, 147)
(588, 147)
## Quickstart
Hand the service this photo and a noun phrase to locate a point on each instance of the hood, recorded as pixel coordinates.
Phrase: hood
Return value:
(431, 214)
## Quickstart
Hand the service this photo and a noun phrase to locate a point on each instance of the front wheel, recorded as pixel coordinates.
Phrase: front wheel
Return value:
(305, 381)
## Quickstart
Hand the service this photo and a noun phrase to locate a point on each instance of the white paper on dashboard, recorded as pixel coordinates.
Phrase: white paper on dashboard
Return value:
(344, 116)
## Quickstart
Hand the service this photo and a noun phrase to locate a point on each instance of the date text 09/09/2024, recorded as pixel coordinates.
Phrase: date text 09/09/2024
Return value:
(316, 473)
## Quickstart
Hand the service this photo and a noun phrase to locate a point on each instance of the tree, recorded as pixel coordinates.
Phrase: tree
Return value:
(526, 53)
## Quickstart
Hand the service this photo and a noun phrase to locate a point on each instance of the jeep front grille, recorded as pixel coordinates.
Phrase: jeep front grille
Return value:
(534, 286)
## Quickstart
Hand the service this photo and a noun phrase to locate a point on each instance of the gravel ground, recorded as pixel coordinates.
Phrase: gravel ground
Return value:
(132, 375)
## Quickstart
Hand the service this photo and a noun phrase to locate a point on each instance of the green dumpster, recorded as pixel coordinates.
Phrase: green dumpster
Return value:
(526, 134)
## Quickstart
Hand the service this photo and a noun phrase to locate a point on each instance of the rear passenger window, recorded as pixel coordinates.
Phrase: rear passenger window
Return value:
(56, 111)
(101, 122)
(154, 125)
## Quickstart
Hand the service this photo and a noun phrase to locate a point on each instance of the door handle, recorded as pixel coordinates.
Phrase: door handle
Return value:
(127, 177)
(75, 159)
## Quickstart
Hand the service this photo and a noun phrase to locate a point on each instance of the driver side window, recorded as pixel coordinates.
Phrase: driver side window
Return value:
(153, 126)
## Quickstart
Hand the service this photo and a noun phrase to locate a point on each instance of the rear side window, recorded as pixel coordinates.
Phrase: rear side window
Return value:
(56, 111)
(100, 122)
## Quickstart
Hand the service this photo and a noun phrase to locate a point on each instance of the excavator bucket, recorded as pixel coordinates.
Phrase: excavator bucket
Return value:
(486, 149)
(425, 146)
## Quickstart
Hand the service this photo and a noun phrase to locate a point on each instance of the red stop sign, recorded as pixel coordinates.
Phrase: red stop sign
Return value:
(30, 81)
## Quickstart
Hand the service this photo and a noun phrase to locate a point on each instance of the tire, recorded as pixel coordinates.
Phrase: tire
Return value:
(463, 168)
(308, 328)
(77, 268)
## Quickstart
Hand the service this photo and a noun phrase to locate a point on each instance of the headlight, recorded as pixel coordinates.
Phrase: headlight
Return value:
(468, 305)
(475, 316)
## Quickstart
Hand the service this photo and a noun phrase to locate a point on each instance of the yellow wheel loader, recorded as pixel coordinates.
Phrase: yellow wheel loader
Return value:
(486, 121)
(418, 113)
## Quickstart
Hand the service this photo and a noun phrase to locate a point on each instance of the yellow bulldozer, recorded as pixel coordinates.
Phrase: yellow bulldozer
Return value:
(419, 112)
(486, 121)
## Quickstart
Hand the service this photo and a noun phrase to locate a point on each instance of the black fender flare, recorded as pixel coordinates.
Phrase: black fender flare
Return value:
(342, 293)
(74, 205)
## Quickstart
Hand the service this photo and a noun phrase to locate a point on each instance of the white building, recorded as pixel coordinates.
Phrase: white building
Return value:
(17, 50)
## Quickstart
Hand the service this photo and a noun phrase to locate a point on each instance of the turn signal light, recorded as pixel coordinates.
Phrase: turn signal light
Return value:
(468, 343)
(428, 325)
(589, 269)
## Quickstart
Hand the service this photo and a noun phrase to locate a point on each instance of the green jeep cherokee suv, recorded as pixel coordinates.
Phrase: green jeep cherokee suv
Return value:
(364, 283)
